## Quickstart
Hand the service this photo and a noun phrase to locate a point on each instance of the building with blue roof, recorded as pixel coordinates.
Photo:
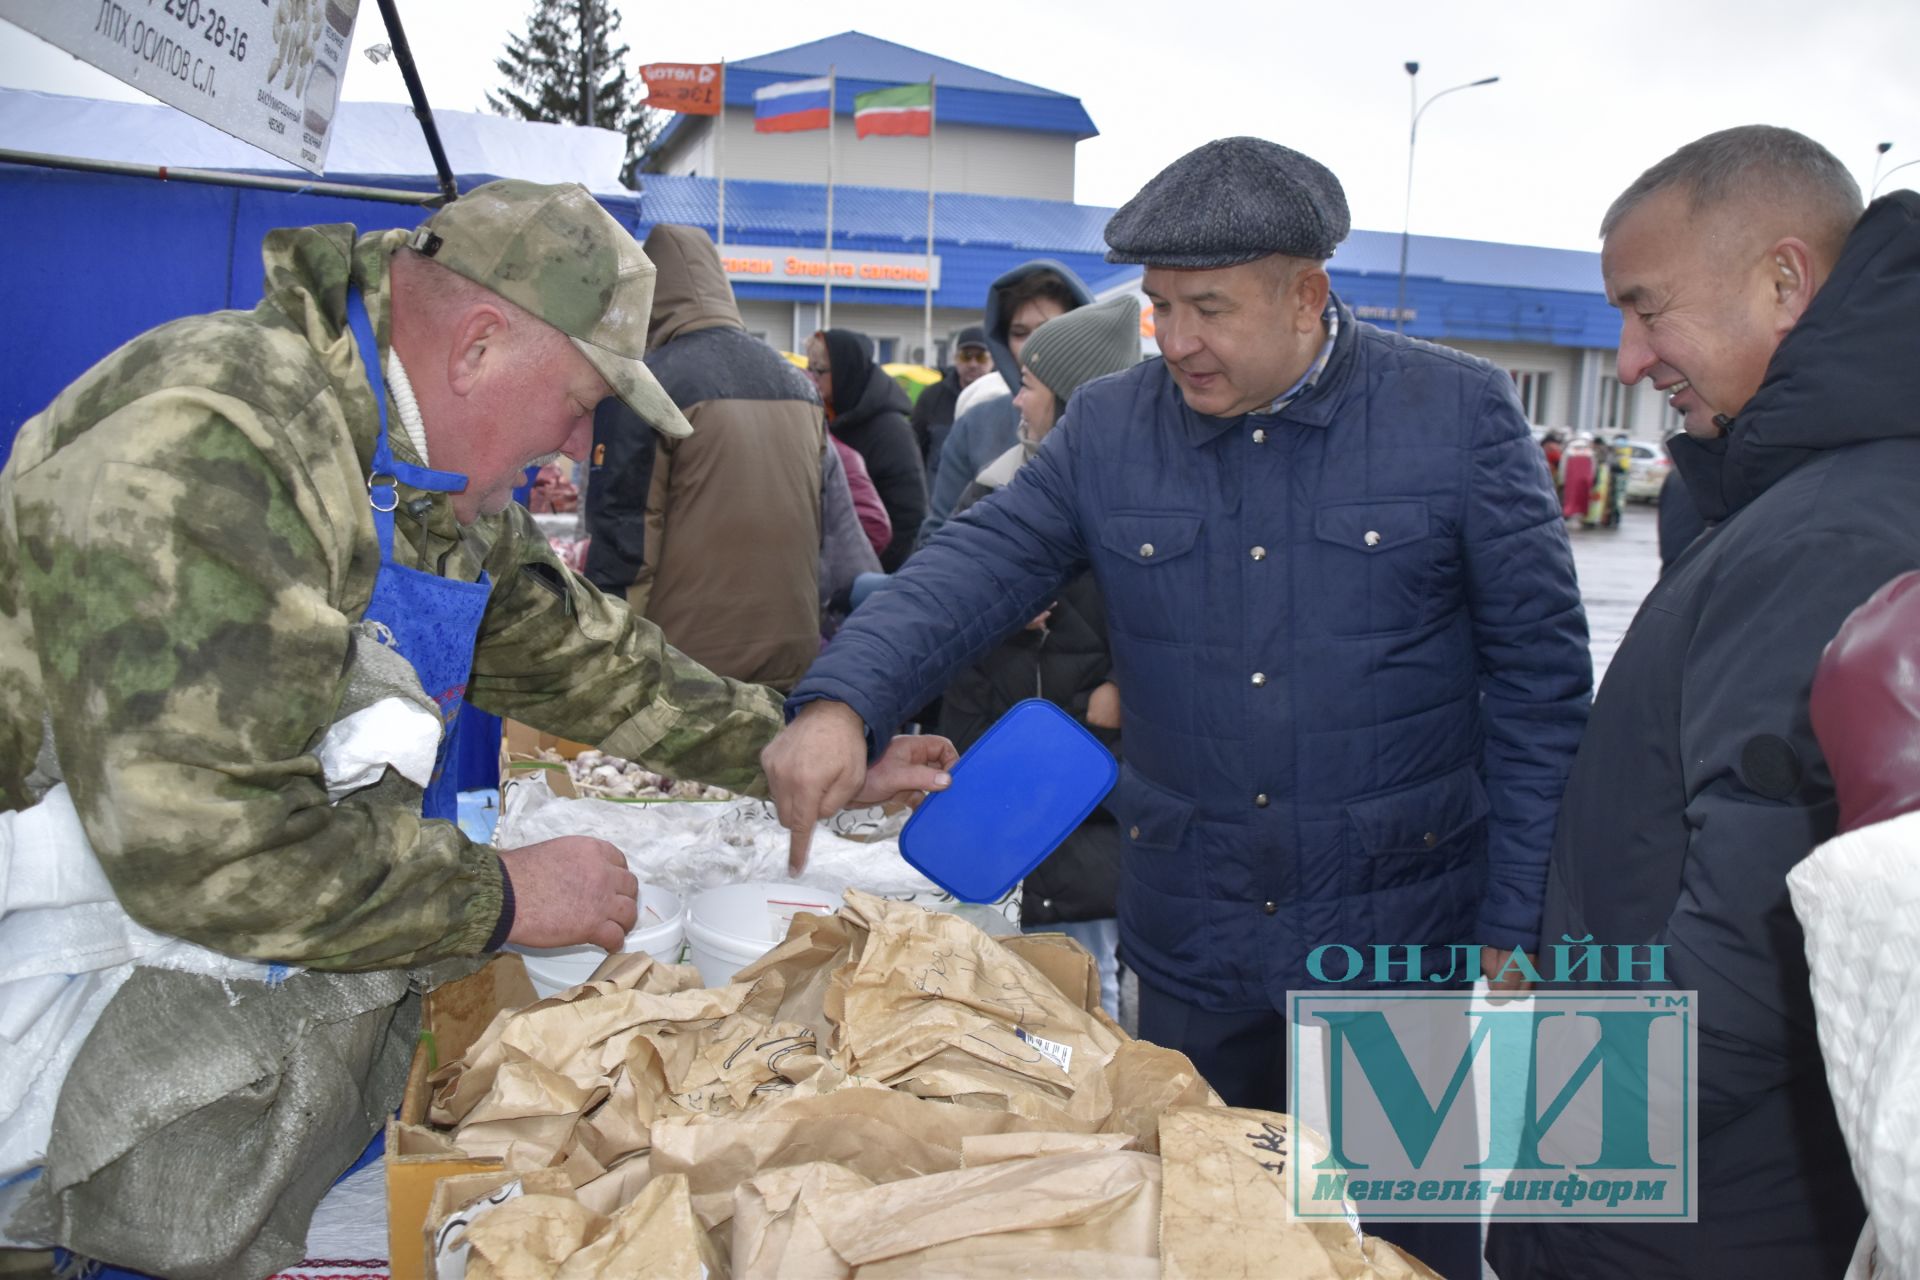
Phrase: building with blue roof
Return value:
(997, 136)
(1003, 173)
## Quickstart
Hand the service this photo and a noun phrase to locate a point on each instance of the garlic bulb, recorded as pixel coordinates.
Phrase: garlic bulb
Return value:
(597, 775)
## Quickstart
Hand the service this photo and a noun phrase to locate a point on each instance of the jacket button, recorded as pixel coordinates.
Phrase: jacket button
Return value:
(1047, 903)
(1259, 678)
(1430, 839)
(1133, 833)
(1373, 538)
(1146, 551)
(1259, 435)
(1269, 907)
(1258, 553)
(1260, 801)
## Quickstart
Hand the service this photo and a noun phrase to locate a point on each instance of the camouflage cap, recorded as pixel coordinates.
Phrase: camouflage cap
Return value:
(554, 251)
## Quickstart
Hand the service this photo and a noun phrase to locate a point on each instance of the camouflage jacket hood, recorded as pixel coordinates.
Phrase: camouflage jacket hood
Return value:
(185, 548)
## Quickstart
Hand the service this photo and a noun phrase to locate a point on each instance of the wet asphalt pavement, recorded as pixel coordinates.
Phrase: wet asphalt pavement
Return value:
(1617, 568)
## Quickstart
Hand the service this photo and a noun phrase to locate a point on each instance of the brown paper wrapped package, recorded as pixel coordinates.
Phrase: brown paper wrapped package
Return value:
(1226, 1214)
(889, 1093)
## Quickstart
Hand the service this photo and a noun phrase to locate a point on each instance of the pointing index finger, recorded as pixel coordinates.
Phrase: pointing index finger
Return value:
(800, 843)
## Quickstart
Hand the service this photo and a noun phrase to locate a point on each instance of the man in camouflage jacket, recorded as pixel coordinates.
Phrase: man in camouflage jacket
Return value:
(186, 545)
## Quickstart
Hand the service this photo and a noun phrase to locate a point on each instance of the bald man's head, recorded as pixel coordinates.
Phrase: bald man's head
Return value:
(1714, 254)
(1755, 183)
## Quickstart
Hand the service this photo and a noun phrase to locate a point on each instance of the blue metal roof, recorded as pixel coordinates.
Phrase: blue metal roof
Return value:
(1470, 289)
(862, 63)
(1479, 289)
(854, 55)
(1471, 261)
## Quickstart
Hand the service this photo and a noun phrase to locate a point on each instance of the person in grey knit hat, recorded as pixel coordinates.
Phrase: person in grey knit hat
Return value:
(1344, 628)
(1078, 347)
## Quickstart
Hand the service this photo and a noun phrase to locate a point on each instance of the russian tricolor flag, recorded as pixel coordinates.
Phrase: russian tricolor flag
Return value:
(792, 107)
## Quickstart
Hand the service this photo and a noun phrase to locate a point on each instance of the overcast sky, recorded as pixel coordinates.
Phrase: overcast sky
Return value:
(1589, 94)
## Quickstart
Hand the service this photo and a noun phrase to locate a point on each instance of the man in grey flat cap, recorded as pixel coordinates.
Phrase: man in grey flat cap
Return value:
(1350, 649)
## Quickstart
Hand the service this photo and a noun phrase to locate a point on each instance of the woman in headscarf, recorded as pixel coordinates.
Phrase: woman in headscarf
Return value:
(868, 410)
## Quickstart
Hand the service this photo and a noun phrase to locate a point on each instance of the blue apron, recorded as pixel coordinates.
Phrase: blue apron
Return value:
(434, 620)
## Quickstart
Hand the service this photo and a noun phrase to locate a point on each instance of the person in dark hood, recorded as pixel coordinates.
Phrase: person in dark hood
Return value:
(933, 411)
(1781, 323)
(1017, 303)
(867, 409)
(715, 538)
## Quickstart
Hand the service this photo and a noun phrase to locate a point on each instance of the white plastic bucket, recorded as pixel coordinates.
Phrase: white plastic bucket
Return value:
(730, 927)
(659, 932)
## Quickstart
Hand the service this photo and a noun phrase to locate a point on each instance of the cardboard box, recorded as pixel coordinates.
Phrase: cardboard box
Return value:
(451, 1019)
(521, 748)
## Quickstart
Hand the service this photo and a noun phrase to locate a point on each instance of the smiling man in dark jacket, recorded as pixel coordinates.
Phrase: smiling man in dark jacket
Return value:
(1351, 654)
(1783, 324)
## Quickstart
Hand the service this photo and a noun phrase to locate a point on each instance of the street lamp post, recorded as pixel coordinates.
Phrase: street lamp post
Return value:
(1418, 109)
(1879, 154)
(1888, 174)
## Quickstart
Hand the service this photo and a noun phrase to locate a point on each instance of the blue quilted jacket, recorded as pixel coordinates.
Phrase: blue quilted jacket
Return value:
(1350, 649)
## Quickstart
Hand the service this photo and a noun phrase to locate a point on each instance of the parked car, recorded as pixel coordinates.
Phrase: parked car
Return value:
(1648, 470)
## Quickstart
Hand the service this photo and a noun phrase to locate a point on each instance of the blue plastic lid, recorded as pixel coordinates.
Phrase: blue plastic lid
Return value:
(1017, 793)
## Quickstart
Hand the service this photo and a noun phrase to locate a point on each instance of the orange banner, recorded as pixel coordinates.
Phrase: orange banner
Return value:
(691, 88)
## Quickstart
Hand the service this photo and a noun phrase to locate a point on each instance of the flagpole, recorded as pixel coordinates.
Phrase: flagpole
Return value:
(933, 123)
(720, 154)
(826, 317)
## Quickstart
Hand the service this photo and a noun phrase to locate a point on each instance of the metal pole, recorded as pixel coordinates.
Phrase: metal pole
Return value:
(933, 123)
(1413, 132)
(403, 54)
(221, 178)
(1406, 218)
(586, 51)
(826, 317)
(720, 155)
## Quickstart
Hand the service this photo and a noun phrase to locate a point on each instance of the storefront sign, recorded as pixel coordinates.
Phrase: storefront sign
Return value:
(765, 264)
(266, 71)
(691, 88)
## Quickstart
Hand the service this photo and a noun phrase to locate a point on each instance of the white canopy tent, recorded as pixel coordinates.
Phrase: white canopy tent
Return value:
(369, 139)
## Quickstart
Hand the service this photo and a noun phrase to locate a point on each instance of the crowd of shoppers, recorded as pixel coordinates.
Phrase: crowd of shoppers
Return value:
(1412, 760)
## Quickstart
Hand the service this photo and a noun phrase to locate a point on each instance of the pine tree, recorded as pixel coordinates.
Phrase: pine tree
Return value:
(568, 47)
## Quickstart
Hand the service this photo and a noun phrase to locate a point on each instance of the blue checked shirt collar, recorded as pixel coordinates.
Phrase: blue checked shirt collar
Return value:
(1331, 317)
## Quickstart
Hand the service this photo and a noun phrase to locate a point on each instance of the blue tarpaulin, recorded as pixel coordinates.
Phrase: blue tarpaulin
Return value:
(97, 259)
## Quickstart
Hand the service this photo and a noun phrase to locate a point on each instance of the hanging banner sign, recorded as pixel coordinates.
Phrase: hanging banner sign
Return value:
(768, 264)
(691, 88)
(266, 71)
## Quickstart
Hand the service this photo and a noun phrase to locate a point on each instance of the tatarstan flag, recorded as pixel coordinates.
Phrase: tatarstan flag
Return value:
(906, 110)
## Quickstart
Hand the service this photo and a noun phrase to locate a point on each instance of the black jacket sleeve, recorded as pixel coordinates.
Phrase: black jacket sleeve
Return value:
(894, 463)
(619, 473)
